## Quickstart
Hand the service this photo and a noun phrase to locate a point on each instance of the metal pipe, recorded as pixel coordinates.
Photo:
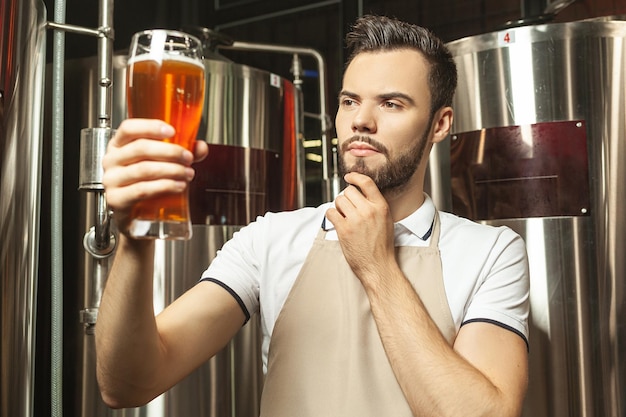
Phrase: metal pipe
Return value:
(105, 64)
(323, 116)
(98, 241)
(102, 227)
(105, 59)
(56, 213)
(297, 71)
(93, 140)
(72, 29)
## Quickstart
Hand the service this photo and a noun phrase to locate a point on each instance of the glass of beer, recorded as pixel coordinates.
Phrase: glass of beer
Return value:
(165, 80)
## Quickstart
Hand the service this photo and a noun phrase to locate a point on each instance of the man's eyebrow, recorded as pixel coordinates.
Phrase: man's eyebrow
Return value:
(397, 96)
(386, 96)
(345, 93)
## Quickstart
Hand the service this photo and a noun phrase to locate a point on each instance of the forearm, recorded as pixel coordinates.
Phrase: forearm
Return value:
(435, 379)
(127, 342)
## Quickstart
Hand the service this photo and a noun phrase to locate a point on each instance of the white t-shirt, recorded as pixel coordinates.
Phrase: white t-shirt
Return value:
(485, 268)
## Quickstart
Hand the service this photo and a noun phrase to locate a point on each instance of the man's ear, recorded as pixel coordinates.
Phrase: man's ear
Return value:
(442, 123)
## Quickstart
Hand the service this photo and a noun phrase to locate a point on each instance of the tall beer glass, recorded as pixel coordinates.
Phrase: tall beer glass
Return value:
(165, 80)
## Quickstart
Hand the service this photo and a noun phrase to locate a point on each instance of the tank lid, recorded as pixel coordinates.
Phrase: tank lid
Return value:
(211, 40)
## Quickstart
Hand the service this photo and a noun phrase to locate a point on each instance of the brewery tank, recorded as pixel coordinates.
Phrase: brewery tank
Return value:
(22, 64)
(539, 144)
(250, 120)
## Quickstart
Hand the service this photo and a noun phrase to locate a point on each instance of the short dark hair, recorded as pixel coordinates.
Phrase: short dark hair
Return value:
(373, 33)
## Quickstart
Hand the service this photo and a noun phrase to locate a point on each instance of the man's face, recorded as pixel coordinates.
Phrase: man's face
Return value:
(383, 121)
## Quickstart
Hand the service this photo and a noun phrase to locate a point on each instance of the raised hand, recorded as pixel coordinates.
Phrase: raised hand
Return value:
(364, 225)
(138, 164)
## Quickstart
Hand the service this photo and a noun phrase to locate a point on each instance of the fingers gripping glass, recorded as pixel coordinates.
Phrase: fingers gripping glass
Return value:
(165, 80)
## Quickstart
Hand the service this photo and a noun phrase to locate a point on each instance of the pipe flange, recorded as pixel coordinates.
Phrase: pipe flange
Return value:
(88, 316)
(91, 245)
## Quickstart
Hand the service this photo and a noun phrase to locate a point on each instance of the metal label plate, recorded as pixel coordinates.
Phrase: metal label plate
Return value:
(537, 170)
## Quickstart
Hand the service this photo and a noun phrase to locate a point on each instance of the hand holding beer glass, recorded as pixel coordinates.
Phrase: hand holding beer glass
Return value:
(165, 80)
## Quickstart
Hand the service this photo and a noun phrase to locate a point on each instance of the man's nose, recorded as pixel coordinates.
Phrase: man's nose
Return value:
(364, 119)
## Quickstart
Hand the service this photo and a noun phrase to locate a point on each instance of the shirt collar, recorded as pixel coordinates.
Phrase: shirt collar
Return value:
(419, 223)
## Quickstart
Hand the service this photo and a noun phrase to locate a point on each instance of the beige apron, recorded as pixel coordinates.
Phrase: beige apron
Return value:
(325, 356)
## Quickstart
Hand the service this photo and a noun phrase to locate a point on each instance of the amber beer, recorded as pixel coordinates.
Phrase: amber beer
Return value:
(169, 87)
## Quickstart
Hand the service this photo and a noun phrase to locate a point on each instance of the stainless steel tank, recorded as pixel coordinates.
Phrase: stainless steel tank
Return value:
(22, 64)
(539, 144)
(250, 122)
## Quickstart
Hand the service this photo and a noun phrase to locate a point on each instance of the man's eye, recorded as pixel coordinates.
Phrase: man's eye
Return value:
(347, 102)
(390, 105)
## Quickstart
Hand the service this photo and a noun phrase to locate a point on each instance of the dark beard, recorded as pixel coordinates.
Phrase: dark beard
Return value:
(395, 174)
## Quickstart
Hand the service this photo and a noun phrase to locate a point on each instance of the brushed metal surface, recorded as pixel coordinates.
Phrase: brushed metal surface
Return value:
(563, 379)
(22, 63)
(547, 73)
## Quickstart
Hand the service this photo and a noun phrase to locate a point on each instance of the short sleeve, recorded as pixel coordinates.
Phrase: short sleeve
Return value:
(236, 266)
(503, 294)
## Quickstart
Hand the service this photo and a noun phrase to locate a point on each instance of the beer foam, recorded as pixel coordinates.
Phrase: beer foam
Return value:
(165, 56)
